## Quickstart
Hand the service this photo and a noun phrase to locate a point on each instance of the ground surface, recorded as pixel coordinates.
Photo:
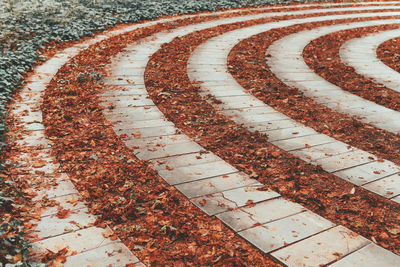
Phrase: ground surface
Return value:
(265, 136)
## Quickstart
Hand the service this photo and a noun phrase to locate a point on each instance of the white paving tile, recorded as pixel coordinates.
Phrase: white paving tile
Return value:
(271, 236)
(322, 248)
(53, 225)
(215, 184)
(360, 53)
(113, 254)
(387, 187)
(370, 255)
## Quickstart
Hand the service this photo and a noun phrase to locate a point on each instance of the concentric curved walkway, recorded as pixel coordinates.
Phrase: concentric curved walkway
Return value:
(284, 230)
(360, 53)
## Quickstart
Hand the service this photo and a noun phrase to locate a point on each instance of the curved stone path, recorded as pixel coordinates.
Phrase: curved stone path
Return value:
(360, 53)
(287, 63)
(283, 229)
(208, 66)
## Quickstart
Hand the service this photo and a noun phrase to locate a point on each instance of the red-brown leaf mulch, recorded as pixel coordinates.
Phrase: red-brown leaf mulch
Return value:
(389, 53)
(364, 212)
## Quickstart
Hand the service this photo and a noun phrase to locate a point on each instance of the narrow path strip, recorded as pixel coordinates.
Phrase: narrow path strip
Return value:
(208, 66)
(214, 185)
(287, 63)
(360, 53)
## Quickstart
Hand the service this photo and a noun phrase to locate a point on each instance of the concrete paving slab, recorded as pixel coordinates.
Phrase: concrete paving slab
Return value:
(215, 184)
(370, 255)
(388, 187)
(196, 172)
(184, 160)
(274, 235)
(345, 160)
(78, 241)
(155, 131)
(322, 151)
(303, 141)
(369, 172)
(53, 225)
(241, 196)
(68, 202)
(167, 150)
(322, 248)
(113, 254)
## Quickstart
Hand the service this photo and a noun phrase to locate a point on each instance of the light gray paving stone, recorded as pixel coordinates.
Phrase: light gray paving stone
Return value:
(322, 151)
(114, 254)
(369, 172)
(51, 225)
(387, 187)
(159, 141)
(271, 236)
(360, 53)
(64, 187)
(142, 124)
(167, 150)
(250, 111)
(127, 101)
(262, 212)
(235, 102)
(287, 133)
(67, 202)
(79, 241)
(196, 172)
(237, 220)
(303, 141)
(184, 160)
(241, 196)
(133, 114)
(345, 160)
(322, 248)
(215, 184)
(147, 131)
(257, 118)
(213, 204)
(370, 255)
(34, 127)
(271, 125)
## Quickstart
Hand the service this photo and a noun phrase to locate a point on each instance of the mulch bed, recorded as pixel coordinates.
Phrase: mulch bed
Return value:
(364, 212)
(389, 53)
(322, 56)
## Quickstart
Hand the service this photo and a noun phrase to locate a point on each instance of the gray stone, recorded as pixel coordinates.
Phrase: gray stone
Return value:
(322, 248)
(370, 255)
(388, 187)
(196, 172)
(271, 236)
(215, 184)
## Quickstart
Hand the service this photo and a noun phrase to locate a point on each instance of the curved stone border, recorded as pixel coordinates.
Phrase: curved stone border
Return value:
(287, 63)
(212, 184)
(360, 53)
(208, 66)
